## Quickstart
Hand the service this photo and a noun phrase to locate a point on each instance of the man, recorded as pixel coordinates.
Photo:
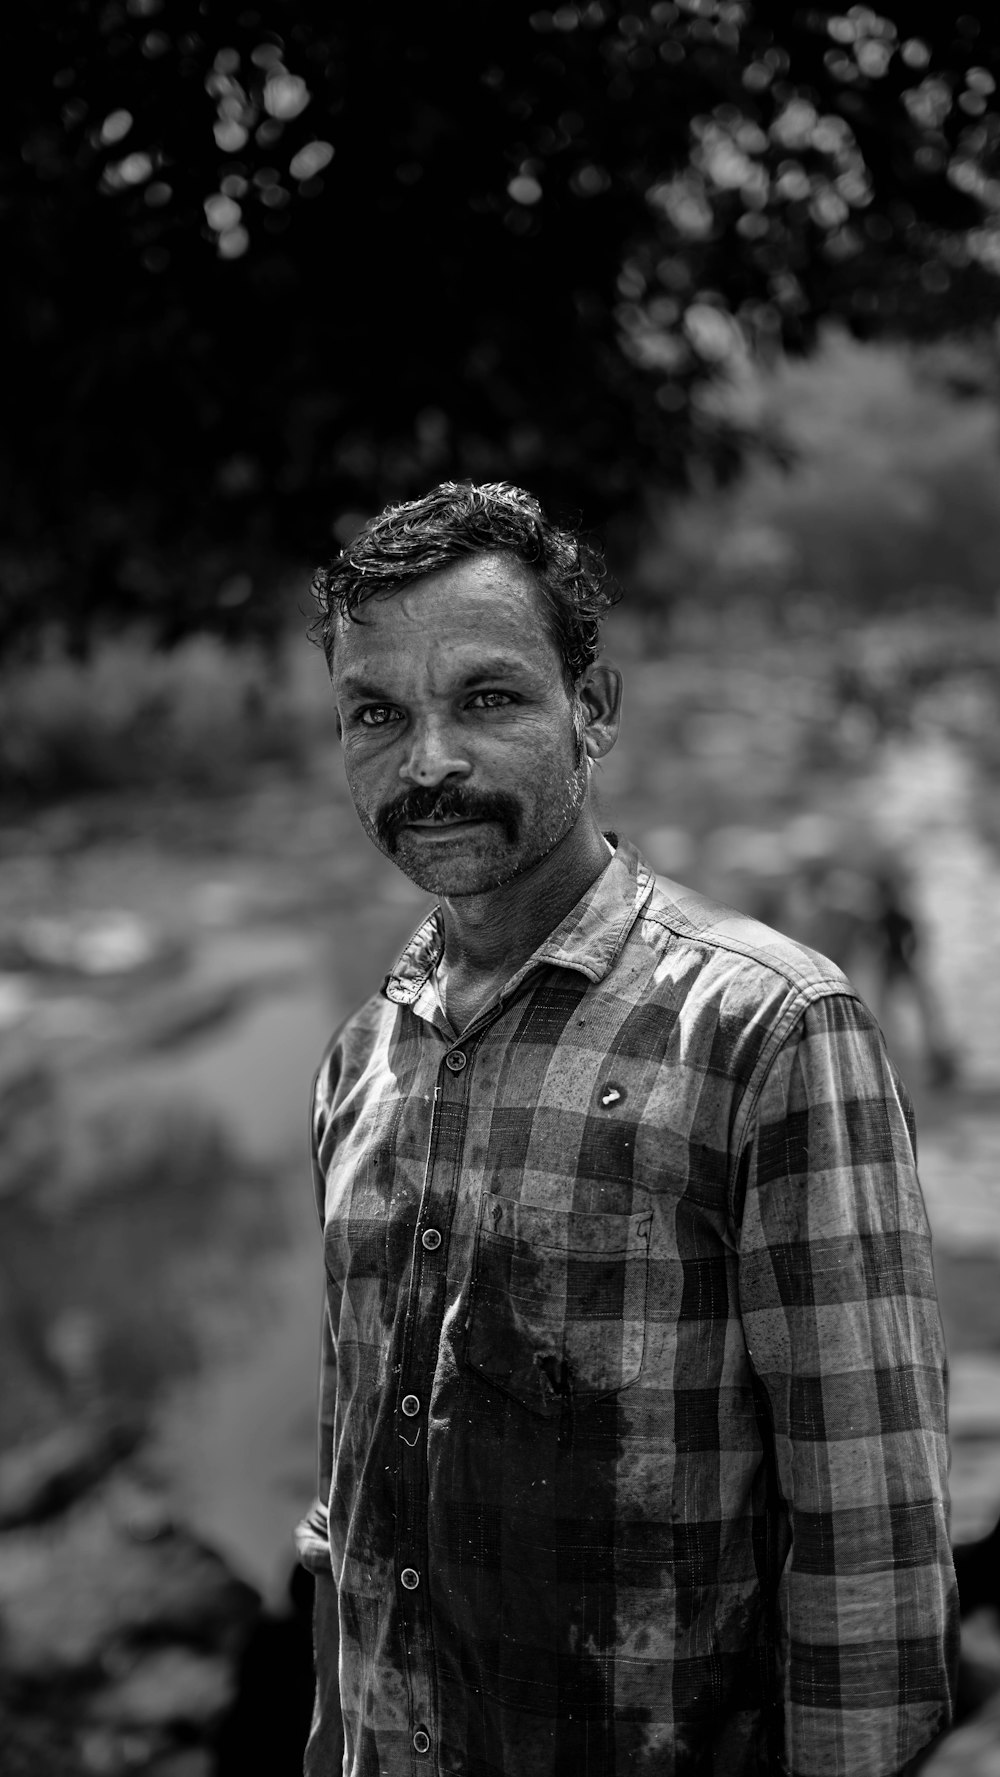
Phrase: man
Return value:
(632, 1440)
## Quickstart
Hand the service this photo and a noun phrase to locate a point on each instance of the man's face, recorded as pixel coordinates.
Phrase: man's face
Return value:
(462, 745)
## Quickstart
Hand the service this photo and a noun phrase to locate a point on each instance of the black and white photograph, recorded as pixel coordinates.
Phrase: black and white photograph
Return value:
(500, 889)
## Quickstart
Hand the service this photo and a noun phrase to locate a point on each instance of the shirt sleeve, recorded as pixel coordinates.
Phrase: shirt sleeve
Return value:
(325, 1749)
(842, 1327)
(311, 1532)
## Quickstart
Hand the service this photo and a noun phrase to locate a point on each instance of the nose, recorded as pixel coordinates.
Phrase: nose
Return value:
(435, 753)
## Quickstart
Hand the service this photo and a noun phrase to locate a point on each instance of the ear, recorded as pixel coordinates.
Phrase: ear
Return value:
(599, 693)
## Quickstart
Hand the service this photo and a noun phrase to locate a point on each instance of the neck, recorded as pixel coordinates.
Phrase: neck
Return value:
(494, 933)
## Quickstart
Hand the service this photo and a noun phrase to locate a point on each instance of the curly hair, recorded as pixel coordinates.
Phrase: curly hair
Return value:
(456, 519)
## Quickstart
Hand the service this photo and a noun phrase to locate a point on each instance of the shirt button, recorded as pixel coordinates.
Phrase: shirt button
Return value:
(421, 1741)
(409, 1578)
(410, 1405)
(431, 1239)
(456, 1060)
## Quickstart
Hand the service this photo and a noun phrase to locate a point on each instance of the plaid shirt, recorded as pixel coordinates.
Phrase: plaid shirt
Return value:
(633, 1399)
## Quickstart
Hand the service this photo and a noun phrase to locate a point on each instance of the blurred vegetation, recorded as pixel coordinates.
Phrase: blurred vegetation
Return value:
(270, 267)
(889, 502)
(868, 573)
(199, 717)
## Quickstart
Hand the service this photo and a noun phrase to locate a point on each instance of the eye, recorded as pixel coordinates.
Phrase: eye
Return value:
(376, 715)
(490, 700)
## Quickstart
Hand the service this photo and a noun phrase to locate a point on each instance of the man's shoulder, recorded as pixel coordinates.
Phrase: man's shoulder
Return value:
(726, 940)
(353, 1042)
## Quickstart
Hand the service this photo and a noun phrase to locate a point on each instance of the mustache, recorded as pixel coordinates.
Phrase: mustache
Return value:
(447, 802)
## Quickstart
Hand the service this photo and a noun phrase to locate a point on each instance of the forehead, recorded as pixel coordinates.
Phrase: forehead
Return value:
(481, 605)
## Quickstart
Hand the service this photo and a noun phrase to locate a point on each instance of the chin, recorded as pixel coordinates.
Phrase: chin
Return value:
(453, 881)
(471, 875)
(453, 877)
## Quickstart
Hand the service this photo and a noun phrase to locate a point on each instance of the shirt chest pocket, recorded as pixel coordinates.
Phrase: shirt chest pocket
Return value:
(558, 1306)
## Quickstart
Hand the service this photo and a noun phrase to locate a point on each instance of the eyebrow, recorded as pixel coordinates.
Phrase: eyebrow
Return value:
(500, 666)
(354, 687)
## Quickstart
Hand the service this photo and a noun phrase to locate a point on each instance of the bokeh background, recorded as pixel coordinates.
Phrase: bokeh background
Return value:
(718, 278)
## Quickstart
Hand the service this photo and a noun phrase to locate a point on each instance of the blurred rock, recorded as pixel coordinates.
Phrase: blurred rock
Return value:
(166, 1687)
(979, 1673)
(45, 1476)
(191, 1761)
(112, 942)
(29, 1129)
(973, 1750)
(16, 1001)
(119, 1641)
(73, 1589)
(174, 1017)
(35, 1745)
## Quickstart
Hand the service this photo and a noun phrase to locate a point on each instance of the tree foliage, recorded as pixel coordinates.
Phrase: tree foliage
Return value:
(273, 264)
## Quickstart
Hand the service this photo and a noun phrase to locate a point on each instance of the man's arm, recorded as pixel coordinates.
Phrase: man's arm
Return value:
(843, 1331)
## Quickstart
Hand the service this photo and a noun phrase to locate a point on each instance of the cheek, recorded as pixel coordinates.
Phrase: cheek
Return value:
(367, 753)
(362, 778)
(543, 774)
(549, 737)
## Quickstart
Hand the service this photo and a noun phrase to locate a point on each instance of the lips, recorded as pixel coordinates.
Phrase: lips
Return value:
(443, 826)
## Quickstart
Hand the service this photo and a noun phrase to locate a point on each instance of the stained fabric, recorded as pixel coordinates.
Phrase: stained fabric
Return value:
(632, 1429)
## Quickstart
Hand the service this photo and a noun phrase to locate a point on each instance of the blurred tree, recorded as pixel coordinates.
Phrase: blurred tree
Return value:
(272, 262)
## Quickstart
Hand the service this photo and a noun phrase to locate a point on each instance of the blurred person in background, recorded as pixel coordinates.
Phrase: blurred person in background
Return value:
(859, 911)
(632, 1431)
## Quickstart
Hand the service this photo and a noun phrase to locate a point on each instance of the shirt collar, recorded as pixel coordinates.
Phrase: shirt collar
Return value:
(588, 939)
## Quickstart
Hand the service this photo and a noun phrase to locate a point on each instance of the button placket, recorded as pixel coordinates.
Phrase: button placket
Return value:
(418, 1358)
